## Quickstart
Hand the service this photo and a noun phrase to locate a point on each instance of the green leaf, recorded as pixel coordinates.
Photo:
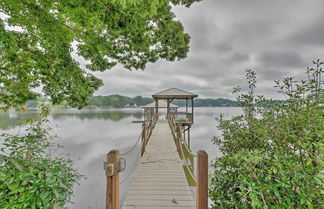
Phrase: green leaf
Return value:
(309, 205)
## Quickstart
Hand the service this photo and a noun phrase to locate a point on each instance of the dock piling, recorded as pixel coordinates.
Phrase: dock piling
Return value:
(202, 180)
(112, 176)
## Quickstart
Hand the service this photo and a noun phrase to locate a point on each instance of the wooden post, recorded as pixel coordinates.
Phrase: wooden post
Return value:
(189, 137)
(144, 114)
(112, 190)
(184, 135)
(202, 180)
(178, 134)
(156, 108)
(192, 110)
(144, 139)
(168, 106)
(186, 104)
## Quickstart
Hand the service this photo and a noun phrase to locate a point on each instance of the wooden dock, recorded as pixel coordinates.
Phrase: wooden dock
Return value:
(160, 182)
(167, 165)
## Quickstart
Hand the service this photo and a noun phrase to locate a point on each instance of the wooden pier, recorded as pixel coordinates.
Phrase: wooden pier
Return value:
(166, 168)
(160, 182)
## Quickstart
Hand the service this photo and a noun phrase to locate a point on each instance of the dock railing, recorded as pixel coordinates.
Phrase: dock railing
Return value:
(147, 130)
(200, 181)
(116, 163)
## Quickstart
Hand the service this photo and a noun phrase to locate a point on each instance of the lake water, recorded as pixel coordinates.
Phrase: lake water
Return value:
(88, 135)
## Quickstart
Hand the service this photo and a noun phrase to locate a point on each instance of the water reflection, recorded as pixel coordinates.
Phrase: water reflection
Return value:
(101, 115)
(205, 128)
(11, 119)
(88, 135)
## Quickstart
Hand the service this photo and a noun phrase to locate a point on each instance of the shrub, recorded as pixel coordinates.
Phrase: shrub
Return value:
(31, 176)
(273, 152)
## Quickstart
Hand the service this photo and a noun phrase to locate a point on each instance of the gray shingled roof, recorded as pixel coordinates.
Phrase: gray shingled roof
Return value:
(162, 104)
(174, 93)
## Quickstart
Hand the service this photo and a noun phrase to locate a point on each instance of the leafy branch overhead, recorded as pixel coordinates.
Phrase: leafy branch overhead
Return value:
(37, 52)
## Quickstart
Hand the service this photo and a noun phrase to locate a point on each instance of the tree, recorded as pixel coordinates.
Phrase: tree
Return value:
(273, 153)
(138, 100)
(104, 32)
(37, 53)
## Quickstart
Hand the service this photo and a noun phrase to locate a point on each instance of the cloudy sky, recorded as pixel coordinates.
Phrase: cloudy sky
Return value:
(276, 38)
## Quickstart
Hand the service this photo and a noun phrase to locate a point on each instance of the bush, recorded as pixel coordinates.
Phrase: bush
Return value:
(273, 152)
(30, 175)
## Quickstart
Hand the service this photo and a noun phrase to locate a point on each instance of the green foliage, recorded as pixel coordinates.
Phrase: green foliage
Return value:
(209, 102)
(105, 32)
(140, 101)
(31, 176)
(272, 155)
(124, 101)
(118, 101)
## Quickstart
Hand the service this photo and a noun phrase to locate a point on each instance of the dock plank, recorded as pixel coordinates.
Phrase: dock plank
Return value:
(159, 182)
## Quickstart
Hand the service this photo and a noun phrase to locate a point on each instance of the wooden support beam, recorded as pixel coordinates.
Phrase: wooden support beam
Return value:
(192, 110)
(186, 104)
(168, 106)
(189, 138)
(145, 114)
(202, 180)
(112, 190)
(156, 107)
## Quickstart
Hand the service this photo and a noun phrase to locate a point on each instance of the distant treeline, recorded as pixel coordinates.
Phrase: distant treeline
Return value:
(124, 101)
(220, 102)
(119, 101)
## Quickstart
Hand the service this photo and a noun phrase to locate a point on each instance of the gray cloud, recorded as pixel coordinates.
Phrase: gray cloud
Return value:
(275, 38)
(239, 57)
(223, 46)
(311, 35)
(281, 59)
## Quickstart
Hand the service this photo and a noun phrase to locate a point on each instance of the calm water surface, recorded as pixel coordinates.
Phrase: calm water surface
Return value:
(87, 136)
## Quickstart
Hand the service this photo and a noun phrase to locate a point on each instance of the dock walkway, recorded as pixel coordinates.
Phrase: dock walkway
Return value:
(160, 182)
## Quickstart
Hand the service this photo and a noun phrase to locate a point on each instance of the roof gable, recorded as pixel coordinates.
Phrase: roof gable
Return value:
(174, 93)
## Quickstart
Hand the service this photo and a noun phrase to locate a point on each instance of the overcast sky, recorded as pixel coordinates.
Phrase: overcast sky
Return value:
(276, 38)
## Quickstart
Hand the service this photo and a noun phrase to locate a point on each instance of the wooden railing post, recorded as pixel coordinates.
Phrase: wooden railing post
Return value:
(178, 134)
(144, 138)
(112, 176)
(202, 180)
